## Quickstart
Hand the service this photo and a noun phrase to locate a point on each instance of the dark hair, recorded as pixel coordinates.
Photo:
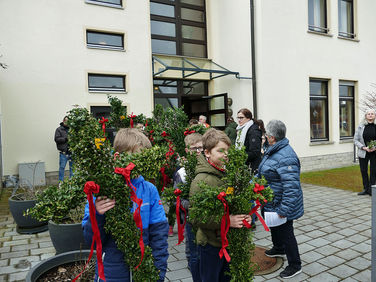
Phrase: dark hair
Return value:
(247, 113)
(193, 121)
(230, 120)
(260, 123)
(65, 118)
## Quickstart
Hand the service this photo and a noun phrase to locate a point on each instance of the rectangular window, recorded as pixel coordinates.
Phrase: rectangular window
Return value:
(104, 40)
(317, 16)
(346, 109)
(318, 92)
(346, 18)
(106, 83)
(110, 3)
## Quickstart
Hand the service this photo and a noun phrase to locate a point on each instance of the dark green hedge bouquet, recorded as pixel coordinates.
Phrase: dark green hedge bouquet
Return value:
(240, 190)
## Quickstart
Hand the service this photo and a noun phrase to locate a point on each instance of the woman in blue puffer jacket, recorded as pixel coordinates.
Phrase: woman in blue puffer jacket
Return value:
(281, 168)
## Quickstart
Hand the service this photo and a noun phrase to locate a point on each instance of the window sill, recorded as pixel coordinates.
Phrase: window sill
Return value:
(107, 92)
(347, 38)
(105, 48)
(343, 141)
(320, 33)
(318, 143)
(104, 4)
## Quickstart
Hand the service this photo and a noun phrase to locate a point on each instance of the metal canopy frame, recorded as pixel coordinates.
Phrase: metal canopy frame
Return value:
(188, 67)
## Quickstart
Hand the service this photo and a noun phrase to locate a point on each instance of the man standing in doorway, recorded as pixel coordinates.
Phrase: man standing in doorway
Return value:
(61, 139)
(202, 120)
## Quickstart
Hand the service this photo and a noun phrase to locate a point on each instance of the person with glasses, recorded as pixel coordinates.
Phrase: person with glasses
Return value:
(249, 136)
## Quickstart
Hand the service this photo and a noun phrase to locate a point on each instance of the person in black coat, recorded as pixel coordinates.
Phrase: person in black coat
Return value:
(61, 139)
(249, 135)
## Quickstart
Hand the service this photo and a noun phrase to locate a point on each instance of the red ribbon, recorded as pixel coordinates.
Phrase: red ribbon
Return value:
(181, 227)
(103, 122)
(187, 132)
(165, 179)
(132, 116)
(225, 226)
(254, 211)
(164, 134)
(126, 172)
(90, 188)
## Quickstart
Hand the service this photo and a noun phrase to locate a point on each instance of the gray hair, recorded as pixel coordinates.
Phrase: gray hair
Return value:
(365, 115)
(277, 129)
(202, 116)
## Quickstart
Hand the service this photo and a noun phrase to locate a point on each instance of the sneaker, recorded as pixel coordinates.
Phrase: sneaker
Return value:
(274, 253)
(171, 231)
(289, 272)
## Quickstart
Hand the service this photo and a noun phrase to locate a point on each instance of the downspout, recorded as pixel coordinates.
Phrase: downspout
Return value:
(253, 58)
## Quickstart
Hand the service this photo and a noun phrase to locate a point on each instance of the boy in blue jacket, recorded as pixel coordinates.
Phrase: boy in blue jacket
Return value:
(154, 221)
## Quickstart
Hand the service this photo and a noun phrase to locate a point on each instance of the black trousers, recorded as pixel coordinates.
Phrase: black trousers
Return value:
(363, 163)
(284, 241)
(212, 268)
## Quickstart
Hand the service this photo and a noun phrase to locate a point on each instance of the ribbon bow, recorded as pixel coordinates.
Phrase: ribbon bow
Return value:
(126, 172)
(181, 226)
(90, 188)
(103, 122)
(165, 180)
(225, 226)
(132, 116)
(187, 132)
(164, 134)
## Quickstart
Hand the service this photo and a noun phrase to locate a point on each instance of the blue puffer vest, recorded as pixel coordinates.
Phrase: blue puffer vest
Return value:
(281, 168)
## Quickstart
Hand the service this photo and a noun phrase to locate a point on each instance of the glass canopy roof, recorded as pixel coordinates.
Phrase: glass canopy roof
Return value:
(178, 67)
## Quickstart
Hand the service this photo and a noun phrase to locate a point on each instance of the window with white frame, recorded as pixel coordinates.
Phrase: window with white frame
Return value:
(318, 94)
(106, 83)
(346, 18)
(104, 40)
(317, 16)
(346, 109)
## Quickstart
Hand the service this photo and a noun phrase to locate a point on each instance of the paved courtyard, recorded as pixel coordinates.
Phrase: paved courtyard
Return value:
(334, 238)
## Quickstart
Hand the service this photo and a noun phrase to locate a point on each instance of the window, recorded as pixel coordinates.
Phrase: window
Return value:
(178, 27)
(109, 3)
(317, 16)
(346, 109)
(96, 39)
(105, 82)
(318, 92)
(346, 18)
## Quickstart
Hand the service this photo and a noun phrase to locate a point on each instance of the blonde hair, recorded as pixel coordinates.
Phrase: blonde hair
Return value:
(192, 139)
(130, 140)
(212, 137)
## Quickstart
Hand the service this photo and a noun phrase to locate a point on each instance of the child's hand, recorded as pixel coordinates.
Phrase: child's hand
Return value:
(236, 221)
(102, 204)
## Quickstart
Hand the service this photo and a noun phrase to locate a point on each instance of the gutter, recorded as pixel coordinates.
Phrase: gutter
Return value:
(253, 58)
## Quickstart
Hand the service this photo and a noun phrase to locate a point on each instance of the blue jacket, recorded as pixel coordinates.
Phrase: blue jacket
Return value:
(155, 234)
(281, 168)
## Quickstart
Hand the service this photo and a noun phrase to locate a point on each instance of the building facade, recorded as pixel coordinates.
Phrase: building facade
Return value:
(311, 62)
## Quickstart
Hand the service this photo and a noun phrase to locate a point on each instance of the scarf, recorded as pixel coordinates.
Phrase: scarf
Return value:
(242, 133)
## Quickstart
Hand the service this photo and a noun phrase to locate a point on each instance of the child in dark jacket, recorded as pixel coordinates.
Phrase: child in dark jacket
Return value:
(154, 222)
(210, 170)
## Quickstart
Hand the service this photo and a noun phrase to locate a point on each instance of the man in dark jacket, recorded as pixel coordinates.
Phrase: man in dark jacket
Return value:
(281, 168)
(61, 139)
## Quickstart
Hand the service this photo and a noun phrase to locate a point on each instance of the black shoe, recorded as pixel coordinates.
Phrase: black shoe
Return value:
(369, 192)
(364, 192)
(289, 272)
(274, 253)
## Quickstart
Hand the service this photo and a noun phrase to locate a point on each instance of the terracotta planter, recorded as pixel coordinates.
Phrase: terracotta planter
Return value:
(48, 264)
(25, 224)
(67, 237)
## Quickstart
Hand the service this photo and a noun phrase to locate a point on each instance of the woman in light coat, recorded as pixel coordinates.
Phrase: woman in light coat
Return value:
(365, 133)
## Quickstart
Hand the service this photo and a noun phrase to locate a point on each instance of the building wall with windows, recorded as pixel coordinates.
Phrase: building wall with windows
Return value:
(44, 43)
(302, 68)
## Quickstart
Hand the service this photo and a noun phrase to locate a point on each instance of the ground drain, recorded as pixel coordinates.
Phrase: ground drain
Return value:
(266, 264)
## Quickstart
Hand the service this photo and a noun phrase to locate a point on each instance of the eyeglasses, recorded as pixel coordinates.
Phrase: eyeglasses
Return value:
(196, 149)
(240, 118)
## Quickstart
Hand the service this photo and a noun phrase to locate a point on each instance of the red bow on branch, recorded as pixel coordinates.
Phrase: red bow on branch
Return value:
(132, 116)
(181, 226)
(187, 132)
(126, 172)
(225, 226)
(165, 179)
(103, 122)
(254, 211)
(164, 134)
(90, 188)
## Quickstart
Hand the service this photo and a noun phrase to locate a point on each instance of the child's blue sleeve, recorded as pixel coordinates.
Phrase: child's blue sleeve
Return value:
(157, 212)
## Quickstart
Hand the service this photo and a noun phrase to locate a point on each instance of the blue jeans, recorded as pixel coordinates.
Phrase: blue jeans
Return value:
(63, 159)
(212, 268)
(193, 258)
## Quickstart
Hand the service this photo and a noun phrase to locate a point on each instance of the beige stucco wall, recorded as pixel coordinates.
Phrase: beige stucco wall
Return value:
(229, 38)
(43, 42)
(287, 56)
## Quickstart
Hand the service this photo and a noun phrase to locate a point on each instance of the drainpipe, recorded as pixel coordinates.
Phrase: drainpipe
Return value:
(253, 58)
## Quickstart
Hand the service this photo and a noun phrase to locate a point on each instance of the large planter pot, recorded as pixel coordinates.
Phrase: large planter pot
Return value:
(67, 237)
(48, 264)
(25, 224)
